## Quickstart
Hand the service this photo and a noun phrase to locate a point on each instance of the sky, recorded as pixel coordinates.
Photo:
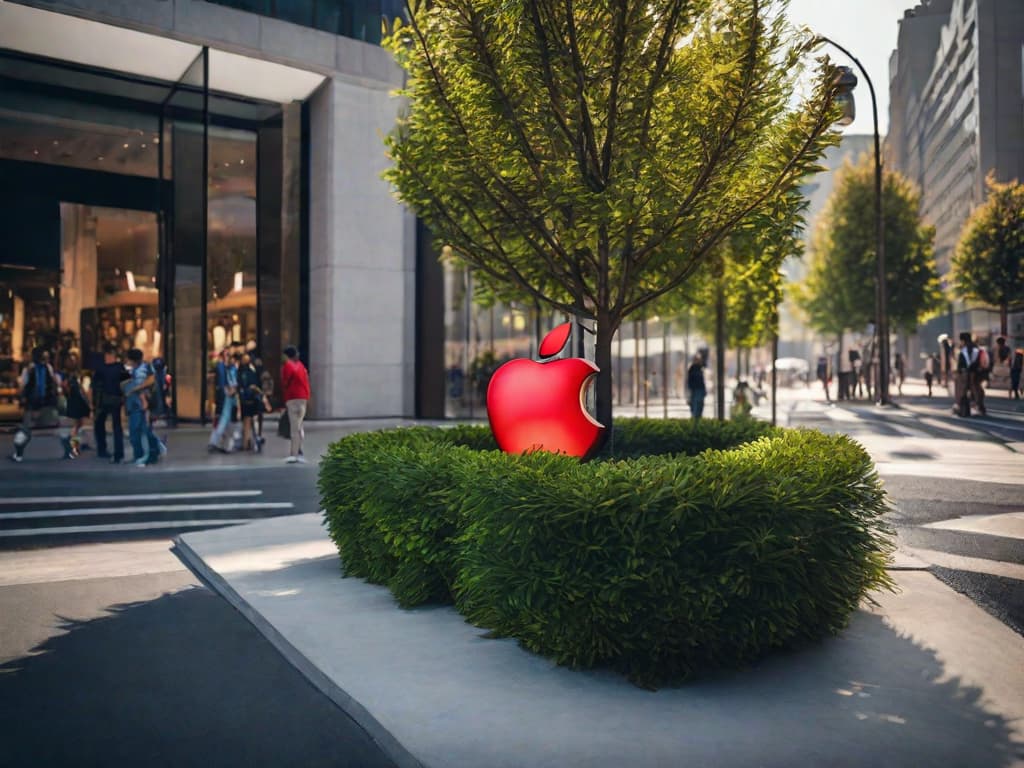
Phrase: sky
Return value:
(868, 29)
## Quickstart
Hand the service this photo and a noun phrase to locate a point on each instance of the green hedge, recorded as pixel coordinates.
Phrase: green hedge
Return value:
(660, 566)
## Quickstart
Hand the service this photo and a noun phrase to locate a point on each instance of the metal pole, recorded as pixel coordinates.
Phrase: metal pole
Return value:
(775, 356)
(664, 367)
(881, 311)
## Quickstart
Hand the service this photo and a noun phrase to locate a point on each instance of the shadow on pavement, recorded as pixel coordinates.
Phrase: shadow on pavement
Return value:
(182, 680)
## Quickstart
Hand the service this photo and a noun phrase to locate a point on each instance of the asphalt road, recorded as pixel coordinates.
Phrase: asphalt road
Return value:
(155, 670)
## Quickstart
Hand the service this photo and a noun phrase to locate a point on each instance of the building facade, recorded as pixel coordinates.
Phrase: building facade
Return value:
(956, 114)
(180, 174)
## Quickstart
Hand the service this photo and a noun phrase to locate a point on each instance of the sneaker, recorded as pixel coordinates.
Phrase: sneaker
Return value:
(16, 458)
(301, 459)
(288, 460)
(141, 462)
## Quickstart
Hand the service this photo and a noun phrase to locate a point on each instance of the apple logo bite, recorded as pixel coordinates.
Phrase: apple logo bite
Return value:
(539, 406)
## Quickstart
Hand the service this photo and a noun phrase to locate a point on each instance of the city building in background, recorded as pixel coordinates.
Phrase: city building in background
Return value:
(181, 174)
(795, 338)
(957, 113)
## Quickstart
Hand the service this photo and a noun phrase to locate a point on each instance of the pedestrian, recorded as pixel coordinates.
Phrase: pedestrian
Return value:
(138, 391)
(931, 366)
(968, 378)
(251, 402)
(823, 377)
(900, 372)
(1002, 351)
(267, 388)
(38, 395)
(77, 409)
(108, 402)
(295, 391)
(696, 387)
(856, 382)
(219, 381)
(229, 405)
(1015, 370)
(845, 373)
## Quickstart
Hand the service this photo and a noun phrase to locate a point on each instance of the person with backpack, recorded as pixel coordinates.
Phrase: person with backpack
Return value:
(230, 406)
(251, 398)
(39, 393)
(138, 391)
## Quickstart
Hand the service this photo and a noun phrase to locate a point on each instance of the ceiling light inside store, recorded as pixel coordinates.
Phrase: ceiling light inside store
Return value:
(130, 277)
(124, 146)
(238, 281)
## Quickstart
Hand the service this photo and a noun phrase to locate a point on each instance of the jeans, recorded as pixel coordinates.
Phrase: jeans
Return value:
(697, 404)
(137, 435)
(296, 413)
(230, 406)
(100, 427)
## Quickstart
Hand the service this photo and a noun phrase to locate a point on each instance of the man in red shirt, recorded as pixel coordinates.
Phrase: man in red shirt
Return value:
(295, 385)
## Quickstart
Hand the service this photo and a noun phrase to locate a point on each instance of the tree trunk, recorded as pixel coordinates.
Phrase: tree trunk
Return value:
(603, 360)
(1004, 309)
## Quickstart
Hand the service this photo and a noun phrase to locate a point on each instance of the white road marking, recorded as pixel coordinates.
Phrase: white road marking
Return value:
(22, 500)
(120, 527)
(1008, 524)
(972, 564)
(44, 513)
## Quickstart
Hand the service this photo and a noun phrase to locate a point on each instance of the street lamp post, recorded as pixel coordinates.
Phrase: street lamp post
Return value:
(881, 299)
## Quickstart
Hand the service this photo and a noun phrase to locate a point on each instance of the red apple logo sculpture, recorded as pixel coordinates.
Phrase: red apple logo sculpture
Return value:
(539, 406)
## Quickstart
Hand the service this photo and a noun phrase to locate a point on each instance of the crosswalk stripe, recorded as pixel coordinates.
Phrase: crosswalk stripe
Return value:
(21, 500)
(117, 527)
(1008, 525)
(964, 563)
(44, 513)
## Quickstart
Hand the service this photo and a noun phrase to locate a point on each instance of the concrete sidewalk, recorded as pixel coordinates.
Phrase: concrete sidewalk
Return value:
(924, 678)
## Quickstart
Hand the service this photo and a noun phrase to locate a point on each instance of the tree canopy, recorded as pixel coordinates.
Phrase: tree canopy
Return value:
(839, 291)
(989, 262)
(594, 154)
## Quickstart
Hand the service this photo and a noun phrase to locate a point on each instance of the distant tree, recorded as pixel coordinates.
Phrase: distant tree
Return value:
(839, 291)
(595, 154)
(989, 262)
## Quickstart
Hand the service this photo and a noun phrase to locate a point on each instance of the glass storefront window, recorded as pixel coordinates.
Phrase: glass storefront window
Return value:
(231, 250)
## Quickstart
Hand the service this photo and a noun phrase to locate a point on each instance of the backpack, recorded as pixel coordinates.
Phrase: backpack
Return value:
(31, 393)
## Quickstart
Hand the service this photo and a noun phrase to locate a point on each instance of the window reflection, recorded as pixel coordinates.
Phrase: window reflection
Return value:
(231, 240)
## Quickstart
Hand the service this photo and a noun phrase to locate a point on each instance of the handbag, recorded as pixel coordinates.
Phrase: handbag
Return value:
(284, 427)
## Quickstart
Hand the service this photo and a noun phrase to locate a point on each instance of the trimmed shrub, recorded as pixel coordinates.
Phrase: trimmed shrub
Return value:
(660, 566)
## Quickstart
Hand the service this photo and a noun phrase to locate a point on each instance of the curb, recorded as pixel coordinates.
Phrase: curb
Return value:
(356, 711)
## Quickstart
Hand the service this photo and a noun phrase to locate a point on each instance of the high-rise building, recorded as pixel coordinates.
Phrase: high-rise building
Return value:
(957, 107)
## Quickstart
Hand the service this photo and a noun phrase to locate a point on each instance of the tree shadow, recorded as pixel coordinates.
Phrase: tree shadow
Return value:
(181, 680)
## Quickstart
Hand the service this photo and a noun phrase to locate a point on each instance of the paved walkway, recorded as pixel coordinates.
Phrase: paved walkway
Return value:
(924, 677)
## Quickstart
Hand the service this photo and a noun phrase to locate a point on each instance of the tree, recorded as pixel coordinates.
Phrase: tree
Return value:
(989, 262)
(839, 291)
(595, 154)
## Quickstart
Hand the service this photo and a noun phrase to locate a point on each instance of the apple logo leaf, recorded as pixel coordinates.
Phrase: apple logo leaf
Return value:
(555, 341)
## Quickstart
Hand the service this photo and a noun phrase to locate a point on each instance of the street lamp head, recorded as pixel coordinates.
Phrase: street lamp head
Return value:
(846, 81)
